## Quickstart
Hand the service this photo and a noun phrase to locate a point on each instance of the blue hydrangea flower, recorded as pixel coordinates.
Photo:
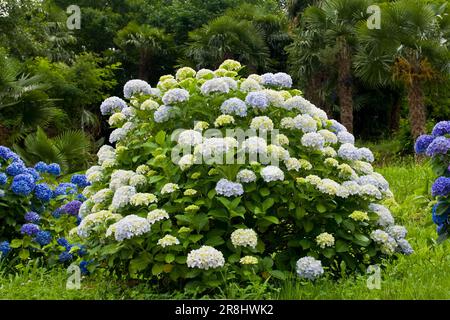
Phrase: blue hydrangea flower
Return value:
(336, 127)
(3, 179)
(234, 106)
(162, 114)
(7, 154)
(54, 169)
(229, 189)
(268, 79)
(65, 257)
(33, 172)
(4, 248)
(72, 207)
(422, 143)
(23, 184)
(43, 238)
(65, 189)
(84, 266)
(32, 217)
(404, 247)
(81, 197)
(16, 168)
(57, 213)
(441, 128)
(29, 229)
(441, 187)
(41, 167)
(439, 145)
(309, 268)
(175, 96)
(43, 192)
(134, 87)
(112, 105)
(439, 219)
(80, 180)
(257, 100)
(64, 243)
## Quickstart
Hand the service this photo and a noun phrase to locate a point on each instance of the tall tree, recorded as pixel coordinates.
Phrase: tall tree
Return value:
(336, 21)
(410, 48)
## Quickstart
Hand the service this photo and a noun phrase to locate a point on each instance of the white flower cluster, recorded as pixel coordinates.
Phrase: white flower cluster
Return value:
(143, 199)
(246, 176)
(205, 258)
(244, 238)
(93, 220)
(272, 173)
(168, 241)
(169, 188)
(122, 197)
(134, 87)
(229, 189)
(157, 215)
(129, 227)
(309, 268)
(175, 96)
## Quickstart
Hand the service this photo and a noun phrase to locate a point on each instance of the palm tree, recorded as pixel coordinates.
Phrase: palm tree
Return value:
(228, 38)
(336, 21)
(409, 49)
(148, 41)
(71, 149)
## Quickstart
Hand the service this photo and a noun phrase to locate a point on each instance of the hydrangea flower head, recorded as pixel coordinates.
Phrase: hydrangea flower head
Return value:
(229, 189)
(441, 128)
(112, 105)
(134, 87)
(422, 143)
(257, 100)
(439, 145)
(43, 192)
(205, 258)
(30, 229)
(309, 268)
(244, 238)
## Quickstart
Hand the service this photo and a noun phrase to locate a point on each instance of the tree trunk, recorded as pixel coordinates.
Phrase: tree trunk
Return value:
(417, 114)
(345, 90)
(394, 124)
(314, 91)
(143, 65)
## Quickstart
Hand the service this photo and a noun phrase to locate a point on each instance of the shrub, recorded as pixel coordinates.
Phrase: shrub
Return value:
(437, 146)
(36, 212)
(174, 201)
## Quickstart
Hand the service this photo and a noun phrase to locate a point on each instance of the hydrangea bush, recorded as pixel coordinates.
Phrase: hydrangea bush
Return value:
(36, 212)
(180, 200)
(436, 146)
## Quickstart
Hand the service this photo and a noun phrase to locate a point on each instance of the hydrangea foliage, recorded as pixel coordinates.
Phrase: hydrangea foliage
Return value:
(304, 199)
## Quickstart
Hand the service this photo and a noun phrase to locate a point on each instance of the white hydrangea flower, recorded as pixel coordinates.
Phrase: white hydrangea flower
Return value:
(371, 191)
(169, 188)
(223, 120)
(174, 96)
(298, 103)
(190, 138)
(348, 152)
(351, 187)
(329, 152)
(94, 174)
(186, 162)
(366, 154)
(244, 238)
(309, 268)
(248, 260)
(281, 140)
(205, 258)
(116, 119)
(217, 85)
(287, 123)
(138, 180)
(346, 137)
(185, 73)
(168, 241)
(255, 145)
(122, 197)
(206, 74)
(277, 152)
(102, 196)
(106, 153)
(149, 105)
(129, 227)
(313, 140)
(231, 65)
(135, 87)
(324, 240)
(157, 215)
(385, 217)
(329, 136)
(246, 176)
(262, 123)
(232, 84)
(229, 189)
(328, 186)
(305, 123)
(85, 209)
(250, 85)
(397, 232)
(275, 97)
(293, 164)
(215, 146)
(201, 125)
(120, 178)
(93, 220)
(142, 169)
(143, 199)
(272, 173)
(234, 106)
(255, 77)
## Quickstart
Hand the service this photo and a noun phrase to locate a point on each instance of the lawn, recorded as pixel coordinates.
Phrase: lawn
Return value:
(419, 276)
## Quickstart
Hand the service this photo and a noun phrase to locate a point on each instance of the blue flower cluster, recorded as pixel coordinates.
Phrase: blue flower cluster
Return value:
(69, 254)
(441, 187)
(4, 248)
(442, 221)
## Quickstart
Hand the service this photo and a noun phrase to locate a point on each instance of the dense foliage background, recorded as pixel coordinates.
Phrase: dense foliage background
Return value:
(380, 83)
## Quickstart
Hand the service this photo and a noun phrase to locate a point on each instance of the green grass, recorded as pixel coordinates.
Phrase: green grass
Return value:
(422, 275)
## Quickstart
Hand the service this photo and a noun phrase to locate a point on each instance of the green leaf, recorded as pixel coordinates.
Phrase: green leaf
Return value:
(278, 274)
(160, 138)
(24, 254)
(308, 225)
(16, 243)
(272, 219)
(329, 253)
(196, 237)
(211, 193)
(267, 204)
(321, 208)
(306, 244)
(139, 263)
(215, 241)
(170, 258)
(157, 269)
(300, 212)
(361, 240)
(341, 246)
(264, 192)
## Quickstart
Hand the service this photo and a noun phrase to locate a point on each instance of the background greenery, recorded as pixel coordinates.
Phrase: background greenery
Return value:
(54, 79)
